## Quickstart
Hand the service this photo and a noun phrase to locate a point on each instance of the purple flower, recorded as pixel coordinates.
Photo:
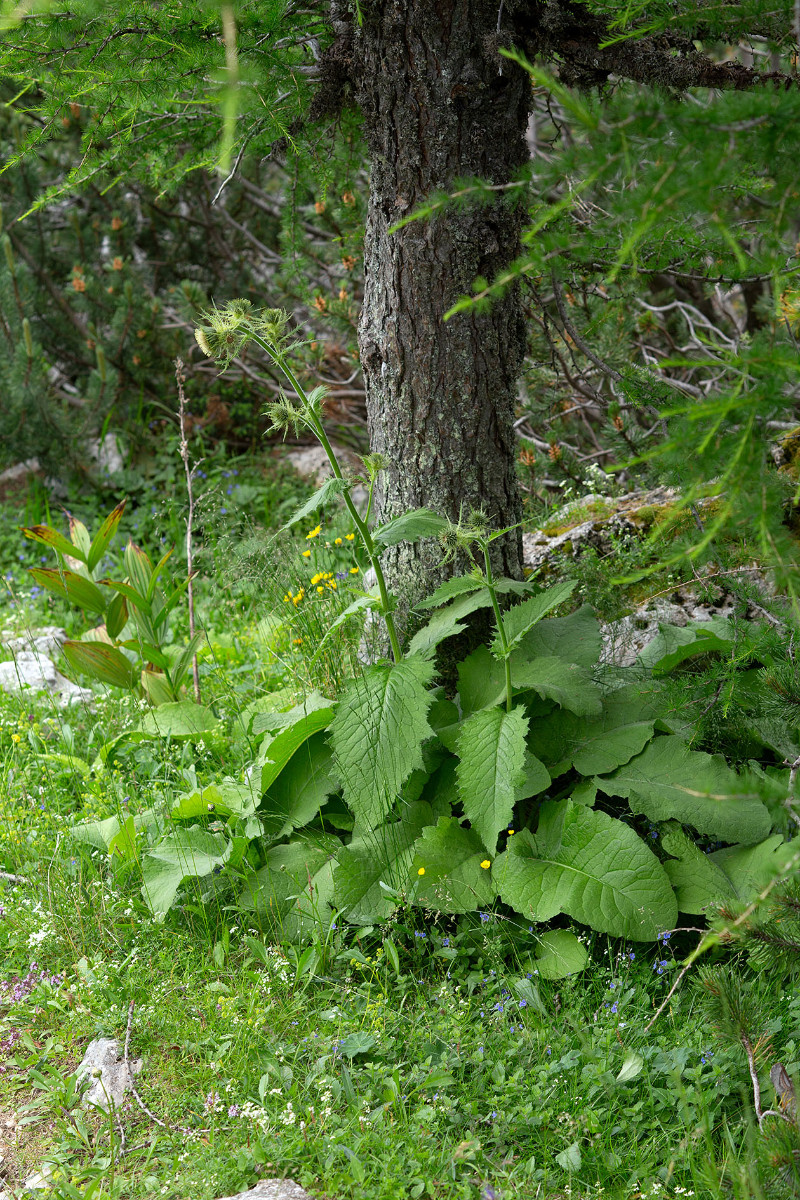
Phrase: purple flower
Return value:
(445, 941)
(614, 1007)
(484, 917)
(211, 1102)
(233, 1110)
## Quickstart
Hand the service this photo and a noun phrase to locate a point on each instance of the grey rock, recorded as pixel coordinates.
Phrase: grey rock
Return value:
(272, 1189)
(35, 671)
(107, 454)
(114, 1078)
(48, 640)
(311, 463)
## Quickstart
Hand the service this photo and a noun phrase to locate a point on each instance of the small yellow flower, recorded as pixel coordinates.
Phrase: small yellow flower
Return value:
(297, 641)
(486, 864)
(337, 542)
(320, 588)
(511, 833)
(350, 536)
(332, 584)
(354, 570)
(314, 533)
(306, 554)
(15, 737)
(421, 871)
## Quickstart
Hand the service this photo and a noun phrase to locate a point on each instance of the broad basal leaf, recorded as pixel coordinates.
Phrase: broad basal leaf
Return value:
(223, 799)
(559, 953)
(481, 681)
(270, 716)
(669, 780)
(181, 720)
(575, 638)
(377, 735)
(185, 854)
(448, 621)
(520, 619)
(295, 797)
(276, 750)
(454, 880)
(696, 878)
(569, 685)
(331, 488)
(375, 867)
(591, 866)
(675, 644)
(750, 868)
(491, 751)
(101, 661)
(293, 890)
(593, 745)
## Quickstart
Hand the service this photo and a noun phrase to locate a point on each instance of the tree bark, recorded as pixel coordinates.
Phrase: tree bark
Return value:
(439, 105)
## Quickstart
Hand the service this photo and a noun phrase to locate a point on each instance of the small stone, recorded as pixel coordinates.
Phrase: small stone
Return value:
(272, 1189)
(35, 671)
(110, 1077)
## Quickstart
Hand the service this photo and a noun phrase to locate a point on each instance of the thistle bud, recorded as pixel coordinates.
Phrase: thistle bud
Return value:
(202, 341)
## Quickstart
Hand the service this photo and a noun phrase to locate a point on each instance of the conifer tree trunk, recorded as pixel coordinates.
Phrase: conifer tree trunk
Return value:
(440, 104)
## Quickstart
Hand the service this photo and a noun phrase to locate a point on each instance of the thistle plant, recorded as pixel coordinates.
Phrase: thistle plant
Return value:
(223, 338)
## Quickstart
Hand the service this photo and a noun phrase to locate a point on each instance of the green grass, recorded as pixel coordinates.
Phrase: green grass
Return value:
(421, 1058)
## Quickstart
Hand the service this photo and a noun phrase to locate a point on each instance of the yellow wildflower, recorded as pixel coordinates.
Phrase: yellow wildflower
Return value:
(354, 570)
(314, 533)
(297, 641)
(421, 871)
(337, 542)
(320, 588)
(350, 536)
(306, 554)
(15, 737)
(511, 833)
(486, 864)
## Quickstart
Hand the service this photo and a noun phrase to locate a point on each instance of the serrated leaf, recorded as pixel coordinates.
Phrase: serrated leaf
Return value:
(180, 720)
(359, 1042)
(574, 639)
(570, 1159)
(102, 662)
(277, 750)
(559, 954)
(751, 868)
(331, 488)
(593, 746)
(591, 866)
(102, 539)
(459, 585)
(71, 586)
(491, 751)
(520, 619)
(378, 861)
(669, 780)
(377, 735)
(454, 880)
(185, 854)
(447, 622)
(481, 681)
(569, 685)
(410, 527)
(696, 878)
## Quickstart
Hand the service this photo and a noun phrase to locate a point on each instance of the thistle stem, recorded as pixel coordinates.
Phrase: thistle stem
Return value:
(498, 616)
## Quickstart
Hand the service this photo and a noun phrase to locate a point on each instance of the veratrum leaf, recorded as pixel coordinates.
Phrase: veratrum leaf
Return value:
(696, 878)
(102, 662)
(377, 734)
(491, 751)
(102, 539)
(301, 788)
(454, 880)
(51, 537)
(409, 527)
(520, 619)
(276, 751)
(71, 586)
(331, 488)
(591, 866)
(559, 954)
(669, 780)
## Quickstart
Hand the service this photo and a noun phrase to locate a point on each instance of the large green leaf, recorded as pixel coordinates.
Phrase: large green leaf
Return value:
(377, 735)
(520, 619)
(104, 535)
(675, 644)
(669, 780)
(185, 854)
(331, 488)
(591, 866)
(295, 797)
(223, 799)
(295, 885)
(71, 586)
(569, 685)
(459, 585)
(101, 661)
(448, 621)
(277, 750)
(453, 880)
(575, 638)
(481, 681)
(593, 745)
(696, 878)
(375, 867)
(51, 537)
(559, 954)
(751, 868)
(270, 717)
(410, 527)
(180, 720)
(491, 751)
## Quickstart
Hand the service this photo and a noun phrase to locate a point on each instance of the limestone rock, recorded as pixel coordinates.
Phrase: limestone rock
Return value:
(35, 671)
(47, 640)
(103, 1056)
(272, 1189)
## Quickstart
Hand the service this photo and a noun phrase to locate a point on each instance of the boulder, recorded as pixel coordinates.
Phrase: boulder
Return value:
(272, 1189)
(32, 668)
(110, 1077)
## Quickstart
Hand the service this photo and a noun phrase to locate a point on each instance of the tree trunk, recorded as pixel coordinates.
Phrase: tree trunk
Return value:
(440, 105)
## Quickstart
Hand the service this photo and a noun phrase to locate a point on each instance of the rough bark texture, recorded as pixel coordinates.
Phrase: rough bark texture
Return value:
(440, 104)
